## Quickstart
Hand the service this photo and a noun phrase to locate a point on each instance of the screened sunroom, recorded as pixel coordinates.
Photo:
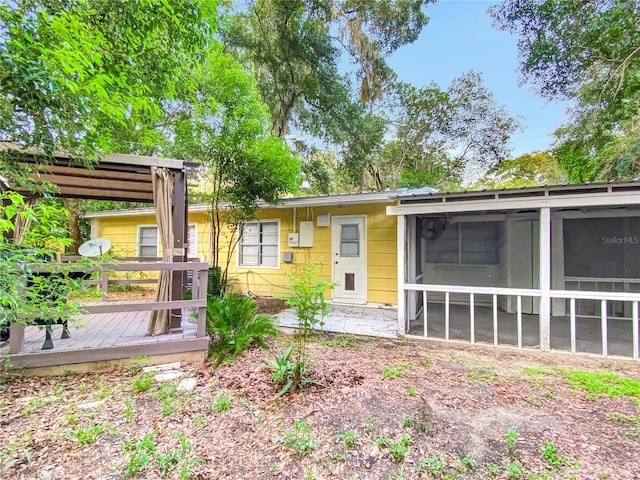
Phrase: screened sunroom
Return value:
(553, 268)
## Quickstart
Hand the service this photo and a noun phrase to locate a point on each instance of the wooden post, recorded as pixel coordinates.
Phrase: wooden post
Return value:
(402, 312)
(545, 279)
(179, 212)
(201, 330)
(104, 286)
(16, 339)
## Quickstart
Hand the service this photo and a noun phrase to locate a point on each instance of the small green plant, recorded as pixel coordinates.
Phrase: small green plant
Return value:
(87, 436)
(221, 403)
(37, 402)
(129, 411)
(408, 422)
(299, 439)
(348, 438)
(14, 454)
(492, 468)
(632, 420)
(171, 400)
(550, 455)
(200, 421)
(234, 325)
(481, 376)
(603, 474)
(344, 340)
(411, 392)
(306, 295)
(167, 461)
(396, 370)
(104, 393)
(434, 464)
(178, 458)
(140, 455)
(368, 425)
(399, 449)
(71, 418)
(469, 462)
(287, 372)
(515, 470)
(143, 382)
(511, 437)
(382, 442)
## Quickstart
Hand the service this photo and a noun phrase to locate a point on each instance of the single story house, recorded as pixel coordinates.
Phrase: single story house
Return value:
(548, 267)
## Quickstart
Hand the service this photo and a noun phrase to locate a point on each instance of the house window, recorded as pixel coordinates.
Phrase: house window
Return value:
(259, 244)
(148, 241)
(192, 240)
(466, 243)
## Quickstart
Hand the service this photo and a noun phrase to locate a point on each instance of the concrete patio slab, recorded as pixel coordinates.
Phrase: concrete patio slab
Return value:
(372, 321)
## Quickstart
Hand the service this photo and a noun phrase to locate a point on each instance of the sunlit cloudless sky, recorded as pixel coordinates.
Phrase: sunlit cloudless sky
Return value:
(460, 37)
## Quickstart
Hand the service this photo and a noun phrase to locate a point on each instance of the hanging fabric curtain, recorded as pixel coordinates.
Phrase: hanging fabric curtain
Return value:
(162, 182)
(22, 222)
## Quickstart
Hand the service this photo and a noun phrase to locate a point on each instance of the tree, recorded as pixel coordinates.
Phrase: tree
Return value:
(529, 169)
(294, 51)
(84, 77)
(76, 75)
(588, 52)
(445, 136)
(24, 293)
(219, 121)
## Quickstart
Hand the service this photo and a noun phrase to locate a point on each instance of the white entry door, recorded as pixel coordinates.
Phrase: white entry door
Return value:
(349, 255)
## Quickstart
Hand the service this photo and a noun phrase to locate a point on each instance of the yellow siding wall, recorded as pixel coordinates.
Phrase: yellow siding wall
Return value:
(262, 281)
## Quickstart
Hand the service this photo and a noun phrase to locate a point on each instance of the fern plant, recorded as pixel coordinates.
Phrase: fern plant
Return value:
(234, 324)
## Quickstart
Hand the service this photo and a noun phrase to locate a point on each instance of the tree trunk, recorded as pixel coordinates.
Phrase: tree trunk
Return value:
(73, 206)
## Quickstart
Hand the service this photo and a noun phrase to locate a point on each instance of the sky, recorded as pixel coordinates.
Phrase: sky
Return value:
(458, 38)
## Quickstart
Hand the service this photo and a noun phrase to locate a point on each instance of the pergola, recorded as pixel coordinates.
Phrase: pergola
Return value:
(117, 177)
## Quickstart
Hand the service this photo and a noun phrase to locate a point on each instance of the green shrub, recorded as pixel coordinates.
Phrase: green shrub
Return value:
(287, 372)
(234, 324)
(307, 297)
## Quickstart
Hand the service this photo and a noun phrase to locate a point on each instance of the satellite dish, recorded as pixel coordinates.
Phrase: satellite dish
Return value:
(433, 228)
(95, 247)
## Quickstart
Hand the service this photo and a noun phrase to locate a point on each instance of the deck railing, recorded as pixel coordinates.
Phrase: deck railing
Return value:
(570, 296)
(198, 299)
(106, 280)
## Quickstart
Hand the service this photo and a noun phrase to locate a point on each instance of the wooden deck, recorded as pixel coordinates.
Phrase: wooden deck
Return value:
(107, 336)
(116, 330)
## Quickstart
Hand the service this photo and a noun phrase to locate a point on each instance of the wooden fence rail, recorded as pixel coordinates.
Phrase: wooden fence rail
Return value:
(199, 272)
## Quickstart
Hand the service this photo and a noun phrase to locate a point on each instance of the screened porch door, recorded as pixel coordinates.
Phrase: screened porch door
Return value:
(349, 255)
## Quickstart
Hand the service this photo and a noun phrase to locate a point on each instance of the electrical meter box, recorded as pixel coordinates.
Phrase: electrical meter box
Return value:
(293, 239)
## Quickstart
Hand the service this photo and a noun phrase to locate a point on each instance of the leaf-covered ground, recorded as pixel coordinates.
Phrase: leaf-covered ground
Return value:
(379, 409)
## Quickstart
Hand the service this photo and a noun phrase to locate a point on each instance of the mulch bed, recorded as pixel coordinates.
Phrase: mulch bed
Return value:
(451, 401)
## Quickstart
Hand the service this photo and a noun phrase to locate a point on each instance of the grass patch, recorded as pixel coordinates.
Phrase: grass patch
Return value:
(604, 384)
(344, 340)
(396, 370)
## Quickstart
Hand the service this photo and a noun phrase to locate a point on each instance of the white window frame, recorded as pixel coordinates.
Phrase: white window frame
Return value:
(459, 247)
(192, 253)
(239, 263)
(139, 244)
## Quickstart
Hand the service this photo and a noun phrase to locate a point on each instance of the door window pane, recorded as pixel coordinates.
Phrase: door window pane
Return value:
(349, 241)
